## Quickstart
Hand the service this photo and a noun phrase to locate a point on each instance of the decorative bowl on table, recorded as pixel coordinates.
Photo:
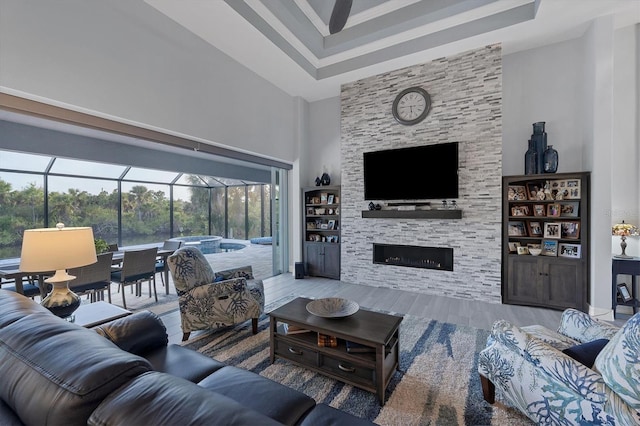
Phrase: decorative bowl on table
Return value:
(535, 251)
(332, 307)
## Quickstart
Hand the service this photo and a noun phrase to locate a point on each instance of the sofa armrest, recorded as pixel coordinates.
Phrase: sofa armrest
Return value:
(242, 271)
(584, 328)
(138, 333)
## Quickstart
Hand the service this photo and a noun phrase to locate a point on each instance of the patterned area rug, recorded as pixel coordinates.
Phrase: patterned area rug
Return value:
(437, 383)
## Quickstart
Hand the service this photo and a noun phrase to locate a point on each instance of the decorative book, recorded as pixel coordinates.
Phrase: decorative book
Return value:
(324, 340)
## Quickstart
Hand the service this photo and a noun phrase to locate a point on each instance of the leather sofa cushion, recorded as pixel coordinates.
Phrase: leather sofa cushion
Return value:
(259, 393)
(14, 306)
(182, 362)
(56, 372)
(160, 399)
(138, 333)
(7, 416)
(324, 415)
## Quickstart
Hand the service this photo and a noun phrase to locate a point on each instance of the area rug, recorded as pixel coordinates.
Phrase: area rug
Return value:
(437, 382)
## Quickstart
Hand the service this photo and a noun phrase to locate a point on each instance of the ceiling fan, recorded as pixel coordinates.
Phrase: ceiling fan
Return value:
(339, 15)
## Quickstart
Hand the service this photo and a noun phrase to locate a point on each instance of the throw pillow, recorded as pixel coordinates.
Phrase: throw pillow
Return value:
(586, 353)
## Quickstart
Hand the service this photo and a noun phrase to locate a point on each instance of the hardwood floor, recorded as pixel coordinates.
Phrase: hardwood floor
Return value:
(458, 311)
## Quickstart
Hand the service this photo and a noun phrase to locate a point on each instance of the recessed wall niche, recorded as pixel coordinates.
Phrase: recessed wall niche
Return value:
(466, 91)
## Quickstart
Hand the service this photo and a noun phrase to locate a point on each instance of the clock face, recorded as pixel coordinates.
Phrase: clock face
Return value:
(411, 106)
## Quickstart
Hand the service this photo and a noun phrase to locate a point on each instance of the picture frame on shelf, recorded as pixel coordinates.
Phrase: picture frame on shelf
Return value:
(535, 228)
(324, 226)
(330, 199)
(573, 189)
(569, 250)
(513, 246)
(569, 208)
(315, 200)
(520, 211)
(532, 190)
(523, 250)
(517, 193)
(517, 229)
(323, 197)
(552, 230)
(331, 224)
(539, 210)
(570, 230)
(624, 293)
(553, 210)
(310, 211)
(549, 248)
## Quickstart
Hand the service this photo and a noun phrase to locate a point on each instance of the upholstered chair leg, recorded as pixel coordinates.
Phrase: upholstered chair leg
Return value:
(254, 325)
(488, 390)
(185, 336)
(124, 302)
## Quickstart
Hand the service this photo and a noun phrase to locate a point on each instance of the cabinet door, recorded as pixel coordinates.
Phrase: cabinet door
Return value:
(523, 281)
(314, 259)
(332, 260)
(563, 285)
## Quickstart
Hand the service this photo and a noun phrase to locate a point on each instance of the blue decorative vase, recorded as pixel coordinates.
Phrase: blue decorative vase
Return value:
(539, 138)
(550, 160)
(531, 160)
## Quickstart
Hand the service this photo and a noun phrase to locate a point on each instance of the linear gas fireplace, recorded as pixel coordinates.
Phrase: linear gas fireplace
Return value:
(414, 256)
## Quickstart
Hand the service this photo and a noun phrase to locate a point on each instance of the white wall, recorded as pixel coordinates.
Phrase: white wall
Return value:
(323, 147)
(150, 72)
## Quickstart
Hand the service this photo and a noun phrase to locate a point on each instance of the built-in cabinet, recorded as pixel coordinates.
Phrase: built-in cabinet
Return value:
(549, 212)
(321, 222)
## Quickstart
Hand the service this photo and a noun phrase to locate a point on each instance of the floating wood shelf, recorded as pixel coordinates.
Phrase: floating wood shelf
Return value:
(412, 214)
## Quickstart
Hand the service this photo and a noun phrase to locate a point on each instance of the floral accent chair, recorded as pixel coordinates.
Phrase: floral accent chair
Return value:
(210, 300)
(534, 370)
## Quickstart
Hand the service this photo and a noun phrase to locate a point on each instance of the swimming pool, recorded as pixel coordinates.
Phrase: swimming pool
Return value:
(209, 243)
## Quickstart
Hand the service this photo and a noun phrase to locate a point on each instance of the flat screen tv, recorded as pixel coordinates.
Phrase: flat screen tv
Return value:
(426, 172)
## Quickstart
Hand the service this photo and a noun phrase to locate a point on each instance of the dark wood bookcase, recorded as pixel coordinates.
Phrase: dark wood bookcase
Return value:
(321, 223)
(550, 211)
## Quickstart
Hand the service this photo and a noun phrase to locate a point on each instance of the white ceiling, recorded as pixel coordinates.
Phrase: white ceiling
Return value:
(287, 42)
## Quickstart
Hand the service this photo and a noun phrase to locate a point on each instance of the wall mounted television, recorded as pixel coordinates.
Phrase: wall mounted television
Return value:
(425, 172)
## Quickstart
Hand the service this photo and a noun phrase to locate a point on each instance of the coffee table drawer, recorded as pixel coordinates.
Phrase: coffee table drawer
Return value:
(347, 370)
(298, 353)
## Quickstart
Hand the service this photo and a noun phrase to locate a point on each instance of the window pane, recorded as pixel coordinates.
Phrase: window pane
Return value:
(145, 213)
(190, 211)
(85, 202)
(217, 212)
(21, 207)
(236, 212)
(191, 180)
(255, 211)
(267, 210)
(24, 162)
(86, 168)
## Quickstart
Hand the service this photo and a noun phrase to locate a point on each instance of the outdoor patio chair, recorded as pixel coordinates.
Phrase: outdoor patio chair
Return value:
(172, 245)
(93, 279)
(137, 266)
(211, 300)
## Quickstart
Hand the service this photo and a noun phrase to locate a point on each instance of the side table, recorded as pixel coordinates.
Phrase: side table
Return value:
(631, 267)
(97, 313)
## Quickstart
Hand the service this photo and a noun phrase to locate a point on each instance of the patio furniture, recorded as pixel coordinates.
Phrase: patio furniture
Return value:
(210, 300)
(585, 373)
(161, 262)
(137, 266)
(93, 279)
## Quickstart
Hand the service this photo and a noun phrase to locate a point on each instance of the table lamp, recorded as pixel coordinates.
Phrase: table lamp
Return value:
(58, 249)
(623, 230)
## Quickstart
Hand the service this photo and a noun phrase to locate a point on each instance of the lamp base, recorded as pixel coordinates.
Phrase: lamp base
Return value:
(62, 302)
(623, 256)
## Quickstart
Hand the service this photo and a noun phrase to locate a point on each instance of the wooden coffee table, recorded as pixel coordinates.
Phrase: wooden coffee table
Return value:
(97, 313)
(377, 332)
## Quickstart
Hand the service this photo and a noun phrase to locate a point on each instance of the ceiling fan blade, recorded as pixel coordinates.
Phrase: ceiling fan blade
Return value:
(339, 15)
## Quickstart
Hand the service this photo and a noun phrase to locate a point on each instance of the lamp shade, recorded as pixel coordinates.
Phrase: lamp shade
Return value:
(54, 249)
(623, 229)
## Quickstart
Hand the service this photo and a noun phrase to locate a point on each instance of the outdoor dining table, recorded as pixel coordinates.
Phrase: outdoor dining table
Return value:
(118, 256)
(13, 272)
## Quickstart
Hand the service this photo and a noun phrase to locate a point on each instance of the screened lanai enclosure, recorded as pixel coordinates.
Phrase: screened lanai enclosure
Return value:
(124, 204)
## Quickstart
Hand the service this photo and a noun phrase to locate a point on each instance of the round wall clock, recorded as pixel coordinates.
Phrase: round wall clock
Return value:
(411, 106)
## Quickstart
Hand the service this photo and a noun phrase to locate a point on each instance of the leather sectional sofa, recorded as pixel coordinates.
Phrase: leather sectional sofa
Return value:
(53, 372)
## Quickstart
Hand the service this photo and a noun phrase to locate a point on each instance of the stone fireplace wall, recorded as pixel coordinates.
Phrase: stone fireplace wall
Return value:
(466, 96)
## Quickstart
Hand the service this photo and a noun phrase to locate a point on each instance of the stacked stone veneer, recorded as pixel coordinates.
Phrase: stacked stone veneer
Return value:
(466, 96)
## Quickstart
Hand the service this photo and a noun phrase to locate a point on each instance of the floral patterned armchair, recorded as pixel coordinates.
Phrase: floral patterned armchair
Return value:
(210, 300)
(528, 367)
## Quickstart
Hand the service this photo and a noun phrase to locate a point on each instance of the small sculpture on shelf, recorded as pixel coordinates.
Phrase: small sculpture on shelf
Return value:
(325, 179)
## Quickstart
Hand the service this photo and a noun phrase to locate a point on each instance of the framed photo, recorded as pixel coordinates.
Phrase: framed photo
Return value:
(569, 208)
(315, 200)
(523, 250)
(539, 210)
(323, 198)
(310, 211)
(332, 224)
(520, 211)
(533, 189)
(569, 250)
(517, 229)
(553, 210)
(513, 247)
(535, 228)
(324, 226)
(330, 199)
(517, 193)
(573, 189)
(549, 248)
(623, 292)
(552, 230)
(570, 230)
